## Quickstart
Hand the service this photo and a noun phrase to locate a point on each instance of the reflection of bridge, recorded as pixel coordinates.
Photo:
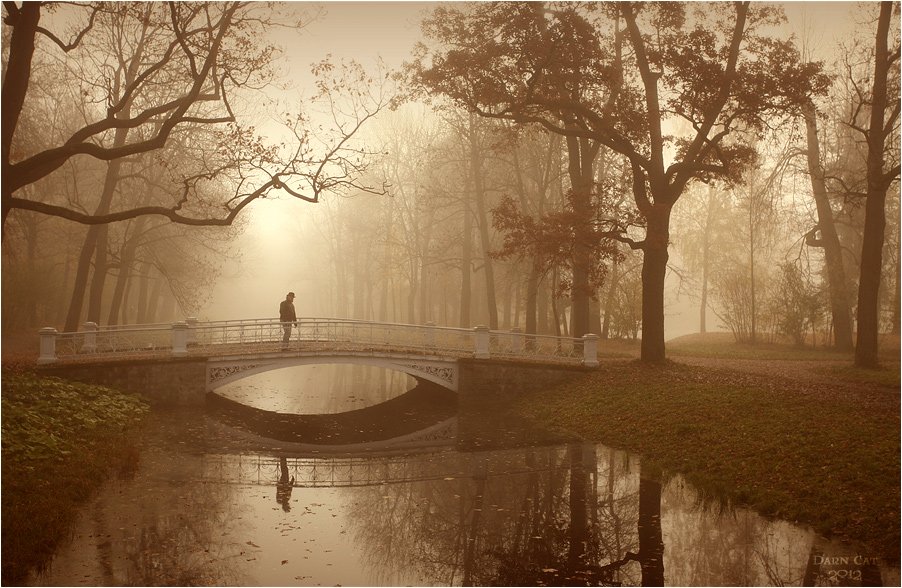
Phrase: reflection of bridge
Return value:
(236, 349)
(373, 470)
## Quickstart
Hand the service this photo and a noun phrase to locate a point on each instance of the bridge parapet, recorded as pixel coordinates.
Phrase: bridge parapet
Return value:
(264, 337)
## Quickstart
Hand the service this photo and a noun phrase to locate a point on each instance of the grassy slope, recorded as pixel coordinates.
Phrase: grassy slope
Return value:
(804, 452)
(60, 440)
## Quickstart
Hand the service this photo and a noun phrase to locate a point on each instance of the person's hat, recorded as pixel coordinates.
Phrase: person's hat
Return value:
(291, 294)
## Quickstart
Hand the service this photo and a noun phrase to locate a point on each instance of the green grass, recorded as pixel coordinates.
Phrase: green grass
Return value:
(801, 453)
(60, 441)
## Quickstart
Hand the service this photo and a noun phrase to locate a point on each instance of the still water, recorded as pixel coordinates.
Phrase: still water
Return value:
(214, 502)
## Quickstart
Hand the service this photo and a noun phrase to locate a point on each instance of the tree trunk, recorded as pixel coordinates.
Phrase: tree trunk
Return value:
(482, 221)
(610, 299)
(15, 87)
(875, 207)
(125, 269)
(98, 278)
(654, 270)
(840, 307)
(706, 261)
(581, 155)
(897, 299)
(466, 259)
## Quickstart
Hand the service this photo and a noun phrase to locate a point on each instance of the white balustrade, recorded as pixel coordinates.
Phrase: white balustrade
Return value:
(193, 337)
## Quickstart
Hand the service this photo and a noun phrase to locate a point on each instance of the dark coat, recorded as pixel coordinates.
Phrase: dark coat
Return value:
(286, 312)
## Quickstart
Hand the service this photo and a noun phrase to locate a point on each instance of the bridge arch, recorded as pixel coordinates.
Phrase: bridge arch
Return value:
(224, 371)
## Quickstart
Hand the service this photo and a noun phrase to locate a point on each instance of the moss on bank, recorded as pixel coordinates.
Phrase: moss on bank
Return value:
(802, 452)
(60, 441)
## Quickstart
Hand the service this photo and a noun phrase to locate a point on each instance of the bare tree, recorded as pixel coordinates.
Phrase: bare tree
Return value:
(201, 54)
(879, 106)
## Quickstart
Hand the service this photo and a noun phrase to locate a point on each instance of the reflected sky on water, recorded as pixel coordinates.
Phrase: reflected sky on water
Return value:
(319, 389)
(206, 507)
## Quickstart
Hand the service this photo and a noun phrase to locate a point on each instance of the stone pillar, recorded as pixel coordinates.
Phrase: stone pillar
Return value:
(89, 345)
(192, 332)
(517, 340)
(590, 350)
(48, 345)
(180, 339)
(482, 342)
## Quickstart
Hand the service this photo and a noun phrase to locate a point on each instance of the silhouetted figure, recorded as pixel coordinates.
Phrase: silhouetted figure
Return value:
(284, 486)
(287, 316)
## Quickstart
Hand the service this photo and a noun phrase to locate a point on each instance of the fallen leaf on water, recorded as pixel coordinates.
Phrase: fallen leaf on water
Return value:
(284, 561)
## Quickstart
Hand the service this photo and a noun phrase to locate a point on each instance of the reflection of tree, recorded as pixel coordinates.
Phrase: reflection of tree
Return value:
(539, 525)
(564, 516)
(651, 541)
(710, 543)
(156, 531)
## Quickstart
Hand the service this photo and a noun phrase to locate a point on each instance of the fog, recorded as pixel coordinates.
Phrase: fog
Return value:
(273, 261)
(385, 241)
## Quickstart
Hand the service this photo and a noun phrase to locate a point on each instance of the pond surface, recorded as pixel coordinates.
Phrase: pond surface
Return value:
(213, 502)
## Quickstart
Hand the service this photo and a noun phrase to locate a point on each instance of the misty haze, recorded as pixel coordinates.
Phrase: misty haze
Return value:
(464, 293)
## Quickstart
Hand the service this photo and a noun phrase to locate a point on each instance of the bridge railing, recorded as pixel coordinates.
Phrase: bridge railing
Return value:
(308, 335)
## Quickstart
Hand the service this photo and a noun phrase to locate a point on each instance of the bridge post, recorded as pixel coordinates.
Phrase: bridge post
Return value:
(180, 339)
(89, 345)
(590, 350)
(192, 332)
(517, 340)
(48, 345)
(482, 342)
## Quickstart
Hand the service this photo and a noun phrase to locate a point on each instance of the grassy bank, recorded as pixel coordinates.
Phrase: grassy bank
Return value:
(60, 441)
(799, 451)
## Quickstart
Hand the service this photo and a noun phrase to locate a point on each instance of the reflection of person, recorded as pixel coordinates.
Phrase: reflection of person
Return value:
(287, 316)
(284, 486)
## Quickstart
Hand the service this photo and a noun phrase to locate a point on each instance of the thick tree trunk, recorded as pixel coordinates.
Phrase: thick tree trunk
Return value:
(897, 298)
(15, 87)
(875, 207)
(581, 155)
(840, 307)
(654, 270)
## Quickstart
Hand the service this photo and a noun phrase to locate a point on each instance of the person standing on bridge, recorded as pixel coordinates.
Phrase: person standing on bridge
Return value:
(288, 317)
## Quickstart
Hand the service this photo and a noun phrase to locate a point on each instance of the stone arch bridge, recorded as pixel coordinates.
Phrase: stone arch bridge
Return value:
(180, 362)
